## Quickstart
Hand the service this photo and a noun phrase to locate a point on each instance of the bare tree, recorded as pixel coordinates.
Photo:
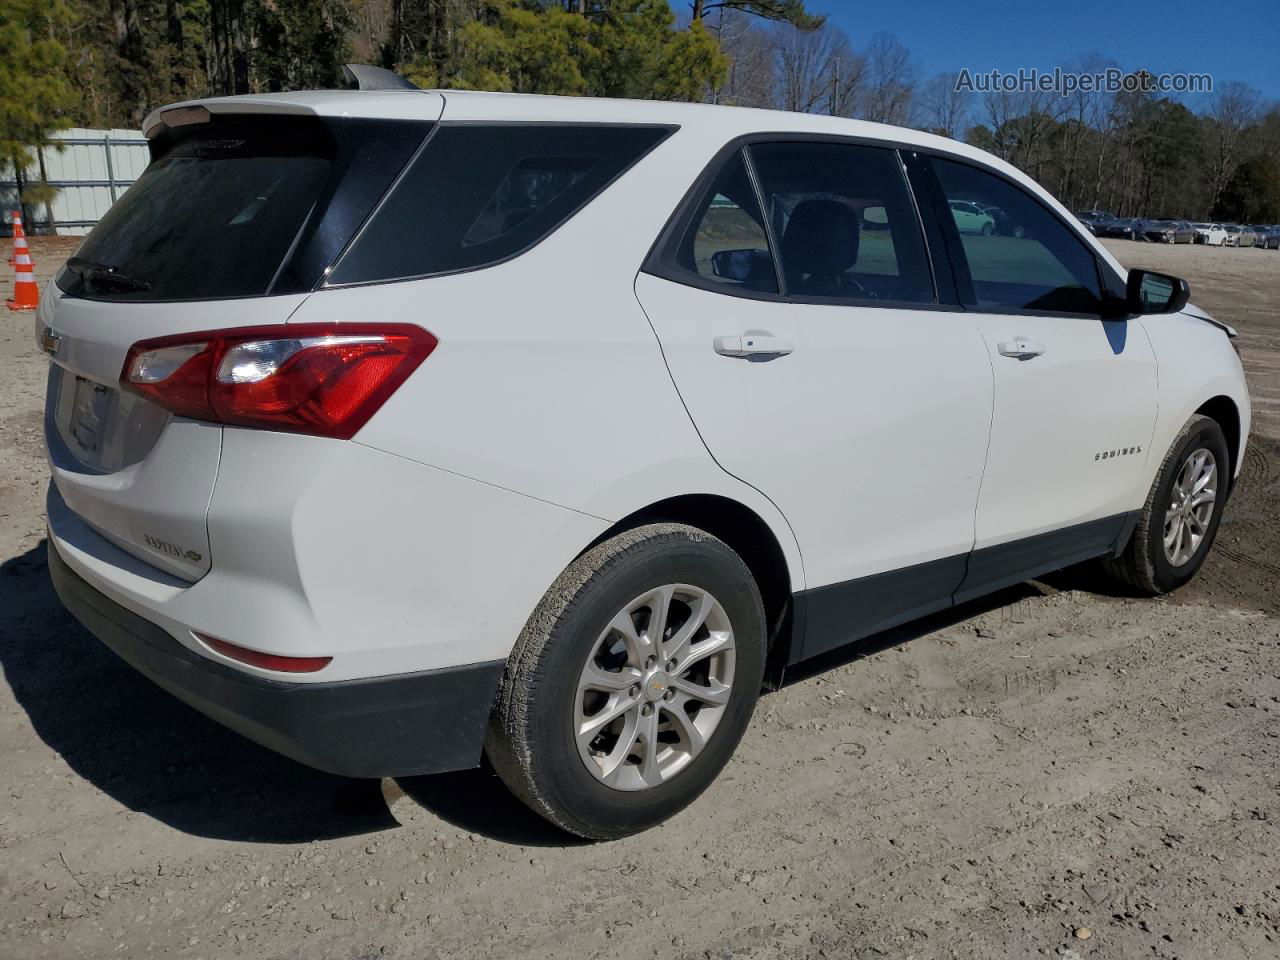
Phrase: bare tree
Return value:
(942, 108)
(1235, 107)
(1102, 117)
(372, 22)
(890, 81)
(801, 60)
(783, 11)
(846, 80)
(816, 70)
(1021, 123)
(750, 81)
(1085, 110)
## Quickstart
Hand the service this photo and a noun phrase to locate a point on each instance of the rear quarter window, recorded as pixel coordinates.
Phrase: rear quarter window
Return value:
(478, 194)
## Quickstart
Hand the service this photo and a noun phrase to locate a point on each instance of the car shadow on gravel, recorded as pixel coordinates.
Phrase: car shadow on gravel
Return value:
(151, 752)
(157, 756)
(478, 802)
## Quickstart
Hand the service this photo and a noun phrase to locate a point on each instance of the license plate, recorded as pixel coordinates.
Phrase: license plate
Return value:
(91, 405)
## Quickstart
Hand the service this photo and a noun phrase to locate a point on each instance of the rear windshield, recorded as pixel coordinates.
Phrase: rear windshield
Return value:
(480, 194)
(240, 207)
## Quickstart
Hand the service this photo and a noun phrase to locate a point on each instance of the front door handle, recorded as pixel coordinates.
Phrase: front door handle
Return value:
(752, 345)
(1020, 348)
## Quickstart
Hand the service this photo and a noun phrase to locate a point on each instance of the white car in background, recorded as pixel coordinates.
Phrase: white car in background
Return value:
(394, 427)
(1212, 234)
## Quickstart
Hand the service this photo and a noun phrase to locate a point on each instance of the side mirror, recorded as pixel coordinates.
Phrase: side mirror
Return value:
(1149, 292)
(739, 265)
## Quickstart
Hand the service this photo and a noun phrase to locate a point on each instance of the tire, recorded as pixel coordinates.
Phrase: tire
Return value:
(988, 229)
(533, 739)
(1145, 565)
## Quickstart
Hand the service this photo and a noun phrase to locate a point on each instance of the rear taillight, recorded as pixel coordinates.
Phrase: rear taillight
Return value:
(322, 379)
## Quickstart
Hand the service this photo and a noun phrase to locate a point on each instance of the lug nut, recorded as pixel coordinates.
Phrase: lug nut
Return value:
(635, 690)
(646, 710)
(669, 695)
(648, 664)
(671, 666)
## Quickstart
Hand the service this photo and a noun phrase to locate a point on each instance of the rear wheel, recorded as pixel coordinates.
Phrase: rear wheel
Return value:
(632, 682)
(1180, 518)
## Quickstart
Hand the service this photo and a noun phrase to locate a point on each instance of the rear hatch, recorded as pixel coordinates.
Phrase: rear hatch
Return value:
(234, 223)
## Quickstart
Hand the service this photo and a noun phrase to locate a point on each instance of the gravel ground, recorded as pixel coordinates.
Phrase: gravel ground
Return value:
(1056, 770)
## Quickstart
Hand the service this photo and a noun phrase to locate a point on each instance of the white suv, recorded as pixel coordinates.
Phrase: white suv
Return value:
(394, 429)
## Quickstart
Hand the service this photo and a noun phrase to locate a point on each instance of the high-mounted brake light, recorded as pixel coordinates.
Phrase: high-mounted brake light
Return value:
(176, 117)
(324, 379)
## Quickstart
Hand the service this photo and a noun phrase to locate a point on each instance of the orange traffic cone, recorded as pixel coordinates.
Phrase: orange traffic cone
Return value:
(26, 295)
(18, 234)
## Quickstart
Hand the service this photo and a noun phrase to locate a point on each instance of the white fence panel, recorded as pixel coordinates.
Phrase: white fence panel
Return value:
(90, 169)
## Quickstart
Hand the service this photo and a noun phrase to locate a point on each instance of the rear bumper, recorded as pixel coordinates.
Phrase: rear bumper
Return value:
(426, 722)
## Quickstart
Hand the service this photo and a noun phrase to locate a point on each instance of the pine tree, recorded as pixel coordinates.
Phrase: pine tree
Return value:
(36, 95)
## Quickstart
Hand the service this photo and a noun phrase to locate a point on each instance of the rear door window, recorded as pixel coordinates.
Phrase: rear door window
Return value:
(478, 194)
(846, 224)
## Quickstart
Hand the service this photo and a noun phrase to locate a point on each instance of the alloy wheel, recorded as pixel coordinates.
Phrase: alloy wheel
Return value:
(654, 688)
(1186, 521)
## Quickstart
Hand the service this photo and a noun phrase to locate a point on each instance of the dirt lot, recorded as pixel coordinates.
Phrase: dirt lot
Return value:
(1052, 771)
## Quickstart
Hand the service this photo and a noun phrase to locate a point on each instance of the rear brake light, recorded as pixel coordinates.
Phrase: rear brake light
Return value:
(267, 661)
(322, 379)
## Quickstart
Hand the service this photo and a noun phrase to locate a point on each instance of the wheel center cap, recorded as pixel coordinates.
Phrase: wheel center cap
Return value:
(657, 685)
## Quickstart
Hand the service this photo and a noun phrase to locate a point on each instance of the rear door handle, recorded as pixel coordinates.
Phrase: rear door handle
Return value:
(751, 345)
(1020, 348)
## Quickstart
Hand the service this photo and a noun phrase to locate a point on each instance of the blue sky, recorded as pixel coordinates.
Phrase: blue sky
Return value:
(1231, 41)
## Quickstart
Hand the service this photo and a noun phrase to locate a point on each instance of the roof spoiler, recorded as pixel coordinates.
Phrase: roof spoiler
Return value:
(362, 76)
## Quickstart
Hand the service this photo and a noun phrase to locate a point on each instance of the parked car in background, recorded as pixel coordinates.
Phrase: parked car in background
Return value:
(1268, 236)
(1124, 228)
(1006, 226)
(310, 377)
(1170, 231)
(1210, 234)
(971, 218)
(1231, 235)
(1094, 220)
(1245, 237)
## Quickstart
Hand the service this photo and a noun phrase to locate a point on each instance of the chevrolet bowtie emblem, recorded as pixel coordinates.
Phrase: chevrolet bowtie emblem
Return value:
(49, 341)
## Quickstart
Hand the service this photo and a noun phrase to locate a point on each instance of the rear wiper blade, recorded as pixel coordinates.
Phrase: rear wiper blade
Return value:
(91, 271)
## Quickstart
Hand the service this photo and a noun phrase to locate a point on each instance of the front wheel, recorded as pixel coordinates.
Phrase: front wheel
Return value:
(632, 683)
(1180, 518)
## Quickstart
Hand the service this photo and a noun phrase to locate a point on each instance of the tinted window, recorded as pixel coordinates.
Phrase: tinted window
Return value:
(240, 207)
(1020, 255)
(478, 194)
(726, 241)
(845, 220)
(212, 217)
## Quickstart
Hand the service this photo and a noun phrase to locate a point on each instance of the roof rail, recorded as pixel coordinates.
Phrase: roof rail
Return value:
(362, 76)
